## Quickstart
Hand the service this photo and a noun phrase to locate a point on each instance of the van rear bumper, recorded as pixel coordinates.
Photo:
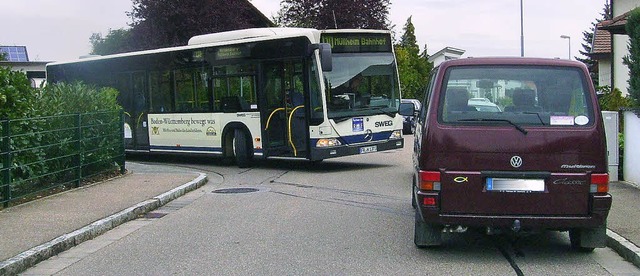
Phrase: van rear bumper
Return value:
(600, 206)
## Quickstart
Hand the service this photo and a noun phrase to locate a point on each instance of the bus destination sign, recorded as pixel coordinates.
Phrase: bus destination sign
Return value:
(355, 43)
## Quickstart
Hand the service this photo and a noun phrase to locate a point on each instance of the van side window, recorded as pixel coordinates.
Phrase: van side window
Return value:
(427, 95)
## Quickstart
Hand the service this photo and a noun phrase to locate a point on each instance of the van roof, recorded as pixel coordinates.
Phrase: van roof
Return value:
(511, 61)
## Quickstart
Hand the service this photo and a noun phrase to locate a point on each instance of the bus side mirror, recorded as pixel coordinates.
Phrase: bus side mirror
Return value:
(326, 60)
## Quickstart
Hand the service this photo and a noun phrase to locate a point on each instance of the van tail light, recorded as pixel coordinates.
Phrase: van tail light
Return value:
(599, 183)
(429, 201)
(429, 180)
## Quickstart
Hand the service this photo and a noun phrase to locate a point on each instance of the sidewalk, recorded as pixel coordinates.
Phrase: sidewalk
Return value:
(37, 230)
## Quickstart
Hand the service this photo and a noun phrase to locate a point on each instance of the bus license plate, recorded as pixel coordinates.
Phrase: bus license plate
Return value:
(514, 185)
(368, 149)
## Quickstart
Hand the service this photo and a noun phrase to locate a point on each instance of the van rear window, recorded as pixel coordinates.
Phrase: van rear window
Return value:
(523, 95)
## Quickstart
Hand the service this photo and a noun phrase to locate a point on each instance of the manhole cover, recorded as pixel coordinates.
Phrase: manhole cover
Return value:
(235, 190)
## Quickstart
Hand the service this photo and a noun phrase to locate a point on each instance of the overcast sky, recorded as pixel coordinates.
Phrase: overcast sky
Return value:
(55, 30)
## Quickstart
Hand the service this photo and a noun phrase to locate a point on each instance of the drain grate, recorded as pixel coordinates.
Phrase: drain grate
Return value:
(235, 191)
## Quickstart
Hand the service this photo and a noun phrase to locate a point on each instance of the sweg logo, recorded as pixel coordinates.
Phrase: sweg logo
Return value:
(384, 123)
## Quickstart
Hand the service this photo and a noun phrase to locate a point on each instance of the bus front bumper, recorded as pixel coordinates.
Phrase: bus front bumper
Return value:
(363, 148)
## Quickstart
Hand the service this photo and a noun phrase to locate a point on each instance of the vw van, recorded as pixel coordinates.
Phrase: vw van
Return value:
(538, 163)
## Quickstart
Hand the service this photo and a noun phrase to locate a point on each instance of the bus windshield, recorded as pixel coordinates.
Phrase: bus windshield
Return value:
(362, 84)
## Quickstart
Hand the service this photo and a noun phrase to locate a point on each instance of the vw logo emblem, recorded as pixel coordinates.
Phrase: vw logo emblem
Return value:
(368, 136)
(516, 161)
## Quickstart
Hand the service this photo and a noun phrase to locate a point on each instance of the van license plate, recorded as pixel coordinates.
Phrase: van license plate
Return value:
(514, 185)
(368, 149)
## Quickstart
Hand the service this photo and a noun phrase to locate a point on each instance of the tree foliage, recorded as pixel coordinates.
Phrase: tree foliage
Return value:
(166, 23)
(632, 60)
(331, 14)
(414, 67)
(116, 41)
(587, 38)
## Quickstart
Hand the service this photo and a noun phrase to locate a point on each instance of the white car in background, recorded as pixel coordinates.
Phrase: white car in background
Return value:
(484, 105)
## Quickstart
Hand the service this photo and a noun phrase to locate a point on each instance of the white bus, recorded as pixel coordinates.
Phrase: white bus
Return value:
(265, 92)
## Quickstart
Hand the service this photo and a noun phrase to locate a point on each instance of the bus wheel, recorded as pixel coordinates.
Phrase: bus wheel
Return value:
(242, 148)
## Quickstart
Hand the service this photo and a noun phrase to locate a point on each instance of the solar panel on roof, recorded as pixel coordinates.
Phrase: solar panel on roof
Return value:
(15, 53)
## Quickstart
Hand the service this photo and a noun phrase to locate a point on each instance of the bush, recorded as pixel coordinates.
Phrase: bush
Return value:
(44, 131)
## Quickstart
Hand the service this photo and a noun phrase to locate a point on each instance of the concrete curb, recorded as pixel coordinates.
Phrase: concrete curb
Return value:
(623, 247)
(31, 257)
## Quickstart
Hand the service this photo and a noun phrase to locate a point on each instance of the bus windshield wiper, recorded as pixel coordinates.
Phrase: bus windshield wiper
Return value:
(519, 128)
(382, 109)
(340, 118)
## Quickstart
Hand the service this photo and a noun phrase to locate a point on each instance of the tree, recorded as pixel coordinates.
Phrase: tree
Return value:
(157, 24)
(414, 67)
(632, 60)
(116, 41)
(330, 14)
(587, 37)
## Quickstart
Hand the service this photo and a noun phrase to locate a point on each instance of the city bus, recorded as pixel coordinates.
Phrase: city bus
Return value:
(255, 93)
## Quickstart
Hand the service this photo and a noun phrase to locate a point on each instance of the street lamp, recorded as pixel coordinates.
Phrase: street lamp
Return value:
(521, 30)
(569, 38)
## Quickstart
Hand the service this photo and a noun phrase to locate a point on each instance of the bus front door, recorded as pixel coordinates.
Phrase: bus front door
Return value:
(285, 127)
(133, 97)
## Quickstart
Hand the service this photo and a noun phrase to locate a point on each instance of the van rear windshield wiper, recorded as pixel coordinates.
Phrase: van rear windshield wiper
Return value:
(519, 128)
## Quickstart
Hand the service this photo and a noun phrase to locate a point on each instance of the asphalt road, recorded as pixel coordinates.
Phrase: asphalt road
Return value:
(345, 216)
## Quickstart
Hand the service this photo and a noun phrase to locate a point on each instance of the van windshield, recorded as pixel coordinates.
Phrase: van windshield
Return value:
(520, 95)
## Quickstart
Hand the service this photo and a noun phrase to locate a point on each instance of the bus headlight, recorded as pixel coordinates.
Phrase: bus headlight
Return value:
(395, 135)
(332, 142)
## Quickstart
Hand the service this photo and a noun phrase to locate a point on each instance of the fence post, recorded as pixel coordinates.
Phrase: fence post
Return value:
(80, 150)
(121, 135)
(6, 162)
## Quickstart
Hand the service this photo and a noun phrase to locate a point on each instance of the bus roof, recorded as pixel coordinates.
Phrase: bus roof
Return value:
(251, 33)
(217, 39)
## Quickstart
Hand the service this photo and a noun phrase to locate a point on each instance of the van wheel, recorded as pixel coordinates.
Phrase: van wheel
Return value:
(242, 149)
(414, 204)
(575, 235)
(426, 235)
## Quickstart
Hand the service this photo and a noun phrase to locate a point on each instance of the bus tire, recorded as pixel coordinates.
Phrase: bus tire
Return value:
(242, 151)
(426, 235)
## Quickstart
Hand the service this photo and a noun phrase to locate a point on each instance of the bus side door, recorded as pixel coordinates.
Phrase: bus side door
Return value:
(134, 100)
(284, 121)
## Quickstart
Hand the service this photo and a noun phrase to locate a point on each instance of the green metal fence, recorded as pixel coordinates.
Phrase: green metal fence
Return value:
(48, 154)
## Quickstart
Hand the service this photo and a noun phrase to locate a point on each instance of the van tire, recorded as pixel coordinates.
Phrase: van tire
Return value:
(414, 204)
(426, 235)
(575, 236)
(242, 148)
(587, 239)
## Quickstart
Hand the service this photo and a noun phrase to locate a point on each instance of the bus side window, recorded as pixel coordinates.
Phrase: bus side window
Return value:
(185, 95)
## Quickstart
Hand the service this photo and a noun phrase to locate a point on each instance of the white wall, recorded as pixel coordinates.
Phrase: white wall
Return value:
(604, 72)
(631, 147)
(620, 42)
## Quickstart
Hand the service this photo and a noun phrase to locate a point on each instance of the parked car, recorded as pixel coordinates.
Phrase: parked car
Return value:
(484, 105)
(409, 121)
(542, 165)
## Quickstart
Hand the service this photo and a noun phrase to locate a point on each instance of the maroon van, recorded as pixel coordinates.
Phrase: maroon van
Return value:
(513, 144)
